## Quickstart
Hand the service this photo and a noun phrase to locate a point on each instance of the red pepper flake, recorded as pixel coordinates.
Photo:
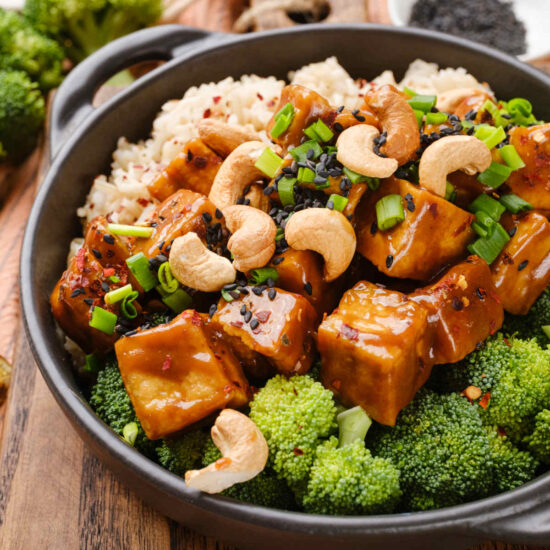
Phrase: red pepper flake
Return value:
(336, 384)
(167, 363)
(196, 319)
(228, 388)
(200, 162)
(349, 332)
(501, 431)
(492, 327)
(433, 209)
(461, 228)
(297, 452)
(218, 356)
(108, 271)
(263, 316)
(484, 401)
(237, 324)
(506, 342)
(143, 202)
(495, 296)
(260, 96)
(216, 99)
(80, 259)
(207, 113)
(271, 103)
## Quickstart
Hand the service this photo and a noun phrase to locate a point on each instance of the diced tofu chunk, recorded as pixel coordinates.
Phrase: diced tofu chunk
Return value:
(281, 330)
(110, 251)
(375, 350)
(464, 309)
(179, 373)
(522, 270)
(194, 168)
(532, 183)
(434, 234)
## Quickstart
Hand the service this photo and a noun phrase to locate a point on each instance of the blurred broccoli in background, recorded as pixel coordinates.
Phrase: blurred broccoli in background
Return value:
(22, 114)
(84, 26)
(530, 325)
(538, 441)
(184, 453)
(22, 48)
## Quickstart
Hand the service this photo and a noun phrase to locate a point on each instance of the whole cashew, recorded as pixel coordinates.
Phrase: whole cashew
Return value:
(224, 138)
(448, 154)
(244, 454)
(253, 241)
(236, 173)
(195, 266)
(448, 101)
(398, 121)
(355, 151)
(325, 231)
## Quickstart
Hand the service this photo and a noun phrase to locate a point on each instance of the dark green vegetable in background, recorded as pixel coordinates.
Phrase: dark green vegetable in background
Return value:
(530, 325)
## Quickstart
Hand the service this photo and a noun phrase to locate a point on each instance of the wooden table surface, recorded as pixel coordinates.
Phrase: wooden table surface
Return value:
(53, 492)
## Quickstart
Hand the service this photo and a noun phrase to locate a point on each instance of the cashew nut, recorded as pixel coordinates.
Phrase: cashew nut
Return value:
(448, 154)
(448, 101)
(224, 138)
(325, 231)
(236, 173)
(257, 198)
(195, 266)
(398, 121)
(355, 151)
(244, 454)
(253, 241)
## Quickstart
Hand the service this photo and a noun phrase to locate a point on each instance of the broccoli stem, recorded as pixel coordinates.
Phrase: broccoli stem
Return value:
(353, 424)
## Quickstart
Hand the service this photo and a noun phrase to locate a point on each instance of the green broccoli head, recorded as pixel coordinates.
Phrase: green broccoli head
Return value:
(294, 414)
(530, 325)
(349, 480)
(22, 48)
(440, 447)
(22, 114)
(112, 404)
(83, 26)
(184, 453)
(538, 441)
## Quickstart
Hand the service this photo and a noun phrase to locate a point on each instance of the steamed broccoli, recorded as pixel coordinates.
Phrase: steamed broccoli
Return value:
(112, 404)
(22, 48)
(22, 114)
(530, 325)
(349, 480)
(84, 26)
(184, 453)
(538, 442)
(294, 414)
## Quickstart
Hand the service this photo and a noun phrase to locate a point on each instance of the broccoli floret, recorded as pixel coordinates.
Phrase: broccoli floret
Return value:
(158, 318)
(530, 325)
(112, 404)
(182, 454)
(83, 26)
(349, 480)
(294, 414)
(538, 442)
(440, 447)
(22, 114)
(22, 48)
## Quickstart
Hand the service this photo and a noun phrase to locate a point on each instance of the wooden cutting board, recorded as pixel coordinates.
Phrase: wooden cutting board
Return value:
(53, 492)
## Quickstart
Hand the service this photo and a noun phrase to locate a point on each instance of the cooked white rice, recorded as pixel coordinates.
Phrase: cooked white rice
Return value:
(250, 102)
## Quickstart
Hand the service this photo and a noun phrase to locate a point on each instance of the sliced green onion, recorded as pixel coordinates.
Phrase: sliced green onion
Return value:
(389, 212)
(491, 108)
(319, 131)
(167, 281)
(488, 205)
(129, 230)
(488, 248)
(484, 219)
(227, 296)
(353, 425)
(511, 157)
(373, 183)
(466, 124)
(280, 234)
(130, 433)
(178, 301)
(139, 266)
(436, 118)
(306, 175)
(300, 153)
(450, 192)
(128, 309)
(262, 274)
(483, 131)
(329, 149)
(424, 103)
(92, 363)
(285, 110)
(515, 204)
(419, 116)
(495, 175)
(338, 202)
(546, 330)
(103, 320)
(410, 92)
(354, 177)
(118, 294)
(283, 119)
(114, 279)
(521, 111)
(285, 188)
(490, 135)
(479, 229)
(269, 162)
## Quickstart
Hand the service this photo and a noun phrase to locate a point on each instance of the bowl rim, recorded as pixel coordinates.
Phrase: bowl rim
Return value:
(463, 518)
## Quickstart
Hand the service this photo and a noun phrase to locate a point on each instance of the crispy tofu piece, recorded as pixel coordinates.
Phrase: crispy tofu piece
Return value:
(522, 270)
(532, 183)
(179, 373)
(434, 234)
(182, 212)
(281, 330)
(110, 251)
(464, 309)
(375, 350)
(194, 168)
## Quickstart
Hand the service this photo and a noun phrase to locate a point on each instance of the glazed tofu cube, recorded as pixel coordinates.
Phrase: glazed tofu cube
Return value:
(194, 168)
(108, 249)
(375, 350)
(522, 270)
(179, 373)
(434, 234)
(532, 183)
(182, 212)
(279, 329)
(464, 309)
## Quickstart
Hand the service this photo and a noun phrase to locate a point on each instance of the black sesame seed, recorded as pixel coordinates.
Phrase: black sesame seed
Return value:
(109, 239)
(308, 288)
(254, 324)
(240, 200)
(373, 228)
(389, 260)
(234, 295)
(270, 282)
(338, 127)
(360, 118)
(96, 253)
(244, 291)
(268, 190)
(330, 205)
(457, 303)
(278, 260)
(207, 217)
(512, 231)
(340, 109)
(257, 290)
(131, 333)
(78, 292)
(230, 286)
(88, 301)
(218, 213)
(189, 156)
(247, 316)
(523, 265)
(271, 294)
(242, 311)
(105, 287)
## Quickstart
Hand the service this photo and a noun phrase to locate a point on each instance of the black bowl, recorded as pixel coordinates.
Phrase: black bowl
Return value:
(83, 139)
